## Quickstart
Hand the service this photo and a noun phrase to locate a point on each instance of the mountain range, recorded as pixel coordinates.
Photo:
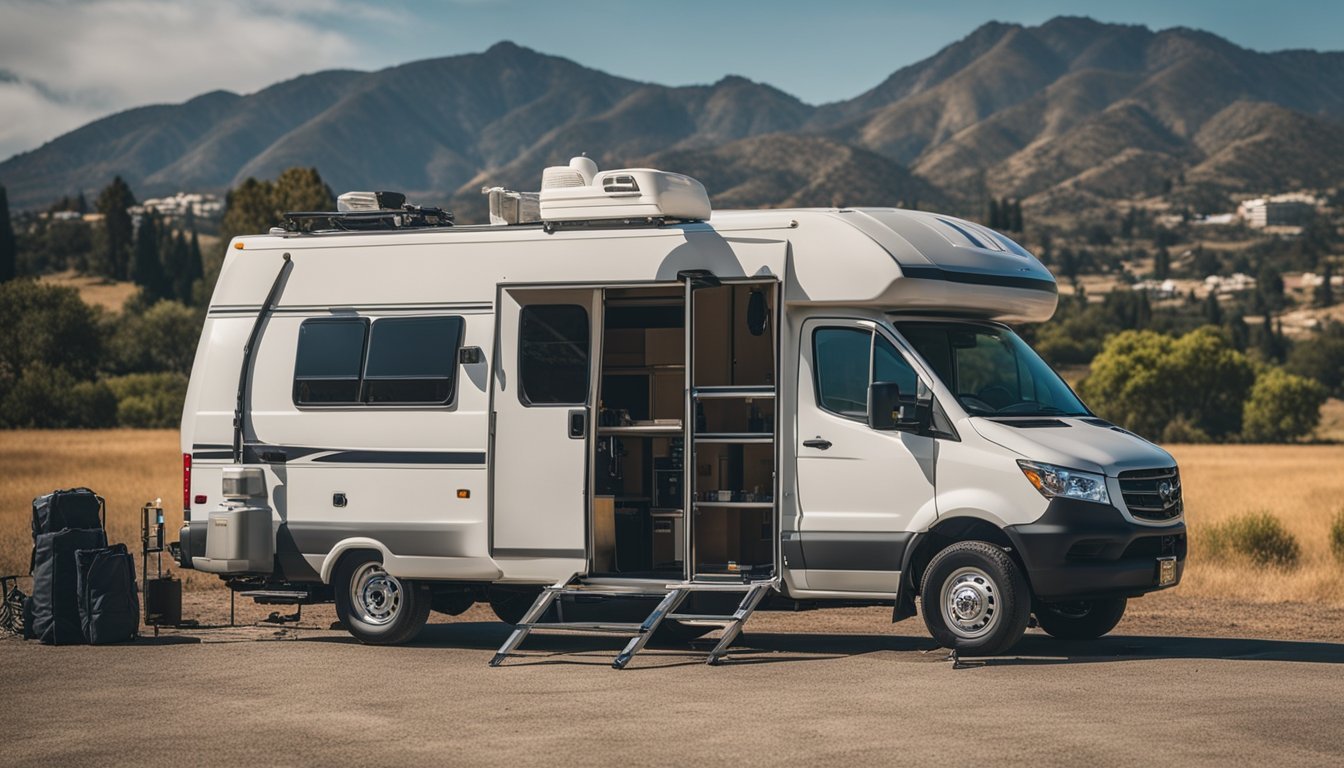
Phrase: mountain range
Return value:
(1071, 113)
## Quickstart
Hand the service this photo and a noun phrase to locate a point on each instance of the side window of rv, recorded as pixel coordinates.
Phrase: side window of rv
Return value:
(412, 360)
(553, 354)
(397, 361)
(331, 354)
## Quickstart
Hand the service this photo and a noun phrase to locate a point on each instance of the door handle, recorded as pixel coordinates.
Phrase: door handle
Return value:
(818, 442)
(578, 423)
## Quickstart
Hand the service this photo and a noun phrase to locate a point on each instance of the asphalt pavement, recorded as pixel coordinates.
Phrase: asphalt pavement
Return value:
(785, 696)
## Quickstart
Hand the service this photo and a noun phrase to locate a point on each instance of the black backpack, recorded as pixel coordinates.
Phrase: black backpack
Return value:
(70, 508)
(109, 605)
(54, 604)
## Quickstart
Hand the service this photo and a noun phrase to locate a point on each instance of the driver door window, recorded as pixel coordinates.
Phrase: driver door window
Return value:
(847, 361)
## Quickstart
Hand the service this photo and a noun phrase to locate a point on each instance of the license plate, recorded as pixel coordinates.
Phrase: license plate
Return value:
(1166, 571)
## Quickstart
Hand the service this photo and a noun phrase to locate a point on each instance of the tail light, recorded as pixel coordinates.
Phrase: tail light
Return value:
(186, 485)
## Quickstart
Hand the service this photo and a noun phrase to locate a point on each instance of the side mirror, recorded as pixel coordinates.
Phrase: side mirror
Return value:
(889, 411)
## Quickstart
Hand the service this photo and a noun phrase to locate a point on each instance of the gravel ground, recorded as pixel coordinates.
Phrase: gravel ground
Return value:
(1179, 681)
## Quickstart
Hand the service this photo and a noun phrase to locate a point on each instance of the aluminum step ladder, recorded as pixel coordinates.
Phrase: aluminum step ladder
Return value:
(640, 633)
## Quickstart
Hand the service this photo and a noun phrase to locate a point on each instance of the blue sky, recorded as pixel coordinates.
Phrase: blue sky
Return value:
(65, 62)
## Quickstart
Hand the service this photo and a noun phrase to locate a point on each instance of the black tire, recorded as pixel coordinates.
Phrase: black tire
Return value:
(389, 611)
(1080, 619)
(453, 603)
(994, 599)
(510, 604)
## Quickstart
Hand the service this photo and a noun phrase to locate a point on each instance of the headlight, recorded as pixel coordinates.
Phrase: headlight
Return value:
(1054, 481)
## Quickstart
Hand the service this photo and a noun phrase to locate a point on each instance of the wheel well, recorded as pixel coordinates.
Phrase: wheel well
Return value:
(949, 532)
(349, 553)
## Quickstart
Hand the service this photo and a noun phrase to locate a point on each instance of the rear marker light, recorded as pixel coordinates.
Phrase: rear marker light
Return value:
(186, 484)
(200, 498)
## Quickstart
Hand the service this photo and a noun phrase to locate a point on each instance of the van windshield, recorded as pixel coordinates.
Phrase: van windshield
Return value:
(992, 371)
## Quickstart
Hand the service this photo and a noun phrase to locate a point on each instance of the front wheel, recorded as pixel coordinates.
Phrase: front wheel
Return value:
(1081, 619)
(975, 599)
(377, 607)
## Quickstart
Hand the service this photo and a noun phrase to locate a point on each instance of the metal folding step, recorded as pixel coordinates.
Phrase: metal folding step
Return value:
(640, 633)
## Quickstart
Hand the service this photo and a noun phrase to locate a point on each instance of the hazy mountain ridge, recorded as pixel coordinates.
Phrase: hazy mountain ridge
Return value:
(1071, 109)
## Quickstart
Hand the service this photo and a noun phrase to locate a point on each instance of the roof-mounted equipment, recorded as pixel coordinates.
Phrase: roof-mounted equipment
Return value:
(580, 194)
(368, 211)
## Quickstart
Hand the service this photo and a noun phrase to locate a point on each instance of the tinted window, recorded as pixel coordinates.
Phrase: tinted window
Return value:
(992, 371)
(841, 358)
(553, 354)
(888, 365)
(412, 360)
(331, 353)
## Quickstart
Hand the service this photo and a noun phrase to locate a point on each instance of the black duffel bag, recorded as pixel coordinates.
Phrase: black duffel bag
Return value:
(109, 605)
(54, 604)
(71, 508)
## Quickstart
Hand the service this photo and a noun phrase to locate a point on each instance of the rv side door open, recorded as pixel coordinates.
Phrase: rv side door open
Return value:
(545, 371)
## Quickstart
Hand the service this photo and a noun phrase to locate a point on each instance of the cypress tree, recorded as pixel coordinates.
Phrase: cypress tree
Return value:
(1212, 312)
(193, 271)
(146, 267)
(113, 203)
(1325, 294)
(993, 214)
(9, 250)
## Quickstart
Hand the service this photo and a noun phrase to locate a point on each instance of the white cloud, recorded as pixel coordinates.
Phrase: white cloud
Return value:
(97, 57)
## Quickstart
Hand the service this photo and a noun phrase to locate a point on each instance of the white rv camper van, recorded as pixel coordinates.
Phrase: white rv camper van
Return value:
(633, 416)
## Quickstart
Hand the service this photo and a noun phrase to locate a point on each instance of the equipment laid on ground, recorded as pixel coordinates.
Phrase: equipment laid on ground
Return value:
(109, 611)
(163, 594)
(83, 590)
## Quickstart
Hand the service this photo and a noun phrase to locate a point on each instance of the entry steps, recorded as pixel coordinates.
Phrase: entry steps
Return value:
(640, 633)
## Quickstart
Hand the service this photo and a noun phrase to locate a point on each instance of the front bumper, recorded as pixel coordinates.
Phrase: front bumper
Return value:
(1080, 550)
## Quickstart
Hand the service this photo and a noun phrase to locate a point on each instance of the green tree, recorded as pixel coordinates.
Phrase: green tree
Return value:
(44, 397)
(147, 264)
(1213, 314)
(113, 203)
(1145, 381)
(302, 189)
(1325, 293)
(9, 250)
(1281, 407)
(1321, 358)
(47, 324)
(193, 271)
(1162, 263)
(149, 400)
(161, 338)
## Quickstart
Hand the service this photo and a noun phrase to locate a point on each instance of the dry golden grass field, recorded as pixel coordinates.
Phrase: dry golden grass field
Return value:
(1303, 485)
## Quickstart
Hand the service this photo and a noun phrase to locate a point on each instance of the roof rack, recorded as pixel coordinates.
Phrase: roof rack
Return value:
(405, 217)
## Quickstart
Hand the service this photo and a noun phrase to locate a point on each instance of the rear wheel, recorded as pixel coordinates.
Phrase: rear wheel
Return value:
(510, 604)
(1081, 619)
(975, 599)
(377, 607)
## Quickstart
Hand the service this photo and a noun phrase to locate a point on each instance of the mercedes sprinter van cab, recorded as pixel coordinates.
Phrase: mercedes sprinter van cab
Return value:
(612, 410)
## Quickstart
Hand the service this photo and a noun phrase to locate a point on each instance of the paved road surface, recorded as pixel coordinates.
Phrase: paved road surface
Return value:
(786, 698)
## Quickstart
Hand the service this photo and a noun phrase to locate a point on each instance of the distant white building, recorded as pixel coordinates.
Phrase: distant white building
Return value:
(1234, 283)
(1158, 289)
(1290, 209)
(201, 205)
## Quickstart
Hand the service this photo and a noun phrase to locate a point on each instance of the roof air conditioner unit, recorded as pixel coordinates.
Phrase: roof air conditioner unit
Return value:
(580, 192)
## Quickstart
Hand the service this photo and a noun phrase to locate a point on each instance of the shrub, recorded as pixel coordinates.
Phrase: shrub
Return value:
(149, 400)
(1281, 407)
(1257, 536)
(50, 398)
(1337, 536)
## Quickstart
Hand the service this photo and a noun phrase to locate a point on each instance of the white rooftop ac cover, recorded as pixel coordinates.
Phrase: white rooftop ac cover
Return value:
(580, 192)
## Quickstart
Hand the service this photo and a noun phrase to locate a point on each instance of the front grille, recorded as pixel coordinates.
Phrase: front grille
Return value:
(1152, 494)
